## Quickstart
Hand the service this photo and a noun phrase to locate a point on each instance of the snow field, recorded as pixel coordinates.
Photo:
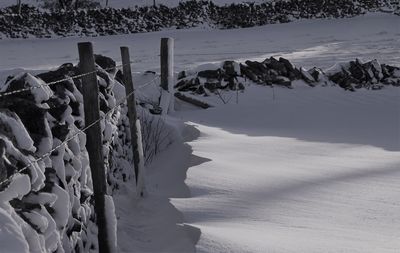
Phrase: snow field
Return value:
(315, 170)
(306, 43)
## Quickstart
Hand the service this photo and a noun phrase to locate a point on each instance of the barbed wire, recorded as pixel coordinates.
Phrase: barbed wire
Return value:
(149, 83)
(80, 131)
(60, 81)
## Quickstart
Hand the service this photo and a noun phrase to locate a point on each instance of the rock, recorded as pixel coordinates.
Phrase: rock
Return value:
(307, 77)
(344, 80)
(281, 80)
(105, 62)
(200, 90)
(60, 131)
(373, 70)
(210, 74)
(181, 75)
(293, 73)
(278, 66)
(318, 75)
(230, 68)
(63, 71)
(212, 86)
(246, 72)
(357, 71)
(256, 67)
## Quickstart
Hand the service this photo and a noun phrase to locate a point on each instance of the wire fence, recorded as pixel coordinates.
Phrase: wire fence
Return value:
(59, 81)
(119, 103)
(80, 131)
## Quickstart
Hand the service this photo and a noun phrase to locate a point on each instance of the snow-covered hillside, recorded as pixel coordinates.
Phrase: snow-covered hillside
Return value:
(307, 43)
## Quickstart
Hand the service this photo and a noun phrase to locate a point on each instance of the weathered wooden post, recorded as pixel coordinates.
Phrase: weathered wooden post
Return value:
(167, 75)
(94, 143)
(134, 122)
(19, 3)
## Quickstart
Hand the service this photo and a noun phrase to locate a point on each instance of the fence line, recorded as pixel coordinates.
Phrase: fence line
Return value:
(58, 81)
(80, 131)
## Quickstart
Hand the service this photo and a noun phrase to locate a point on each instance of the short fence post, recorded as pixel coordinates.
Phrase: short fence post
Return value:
(133, 121)
(167, 75)
(94, 143)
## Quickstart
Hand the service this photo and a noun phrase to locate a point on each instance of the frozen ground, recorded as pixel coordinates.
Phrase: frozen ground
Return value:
(305, 170)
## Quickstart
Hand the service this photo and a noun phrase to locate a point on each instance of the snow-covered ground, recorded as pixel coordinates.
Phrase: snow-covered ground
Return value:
(309, 43)
(302, 170)
(313, 170)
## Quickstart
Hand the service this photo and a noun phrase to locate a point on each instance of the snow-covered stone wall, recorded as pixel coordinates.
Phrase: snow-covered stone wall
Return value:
(230, 75)
(46, 190)
(47, 205)
(100, 22)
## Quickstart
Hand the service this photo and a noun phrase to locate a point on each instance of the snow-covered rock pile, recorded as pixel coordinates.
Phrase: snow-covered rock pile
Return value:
(230, 75)
(99, 22)
(49, 204)
(48, 207)
(211, 78)
(356, 74)
(46, 190)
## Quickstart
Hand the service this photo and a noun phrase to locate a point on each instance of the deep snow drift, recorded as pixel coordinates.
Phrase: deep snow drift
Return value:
(311, 170)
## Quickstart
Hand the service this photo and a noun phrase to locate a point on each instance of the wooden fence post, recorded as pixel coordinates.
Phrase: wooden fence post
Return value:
(94, 143)
(134, 123)
(167, 75)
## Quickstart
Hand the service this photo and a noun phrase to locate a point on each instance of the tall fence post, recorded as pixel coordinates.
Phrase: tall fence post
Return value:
(94, 143)
(133, 122)
(167, 75)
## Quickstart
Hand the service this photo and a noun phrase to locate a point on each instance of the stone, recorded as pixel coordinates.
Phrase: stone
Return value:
(229, 68)
(181, 75)
(281, 80)
(357, 71)
(210, 74)
(105, 62)
(307, 77)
